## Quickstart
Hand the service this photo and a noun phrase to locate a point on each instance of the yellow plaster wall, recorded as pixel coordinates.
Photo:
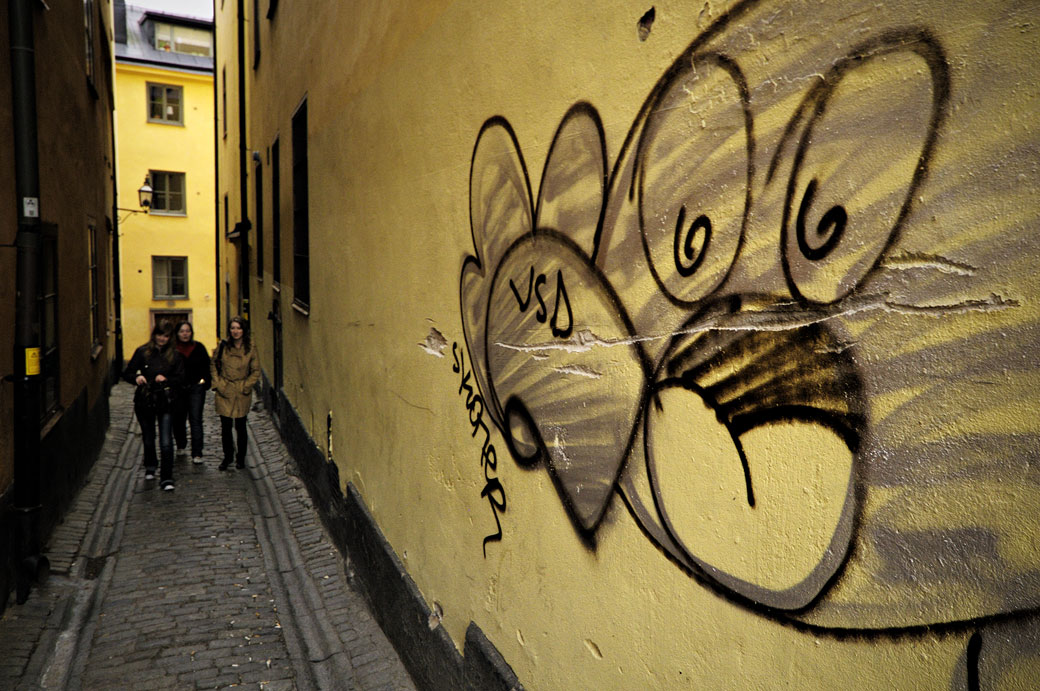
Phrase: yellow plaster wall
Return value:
(229, 143)
(883, 395)
(188, 148)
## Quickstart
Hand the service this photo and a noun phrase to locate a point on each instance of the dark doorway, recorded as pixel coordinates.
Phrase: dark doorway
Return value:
(173, 317)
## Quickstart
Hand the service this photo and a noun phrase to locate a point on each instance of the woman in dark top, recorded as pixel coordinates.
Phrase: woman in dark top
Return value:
(193, 392)
(158, 370)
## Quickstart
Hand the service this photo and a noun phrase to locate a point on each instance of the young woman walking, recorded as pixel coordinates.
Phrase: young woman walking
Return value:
(235, 370)
(157, 369)
(193, 394)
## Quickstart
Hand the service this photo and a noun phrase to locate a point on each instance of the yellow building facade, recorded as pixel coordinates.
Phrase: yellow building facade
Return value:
(691, 346)
(164, 111)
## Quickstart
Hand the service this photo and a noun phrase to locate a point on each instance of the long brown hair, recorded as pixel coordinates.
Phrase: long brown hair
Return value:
(163, 327)
(247, 344)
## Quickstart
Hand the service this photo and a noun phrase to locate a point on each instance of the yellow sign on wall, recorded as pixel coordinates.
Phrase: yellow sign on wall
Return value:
(32, 361)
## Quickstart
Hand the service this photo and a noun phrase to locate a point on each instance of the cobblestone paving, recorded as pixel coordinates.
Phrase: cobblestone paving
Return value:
(227, 582)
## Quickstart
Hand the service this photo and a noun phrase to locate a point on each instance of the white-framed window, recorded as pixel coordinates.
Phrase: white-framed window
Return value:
(168, 192)
(188, 40)
(169, 278)
(165, 103)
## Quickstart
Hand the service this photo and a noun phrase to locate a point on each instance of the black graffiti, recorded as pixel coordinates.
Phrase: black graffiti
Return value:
(493, 490)
(972, 661)
(524, 302)
(830, 229)
(542, 314)
(804, 372)
(686, 261)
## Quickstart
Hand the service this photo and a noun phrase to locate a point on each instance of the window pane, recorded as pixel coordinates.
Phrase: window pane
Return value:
(190, 47)
(276, 215)
(173, 104)
(301, 241)
(175, 201)
(154, 103)
(163, 36)
(158, 277)
(179, 277)
(192, 41)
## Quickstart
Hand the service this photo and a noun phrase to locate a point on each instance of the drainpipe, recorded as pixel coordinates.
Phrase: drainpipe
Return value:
(117, 289)
(31, 564)
(119, 15)
(217, 236)
(245, 226)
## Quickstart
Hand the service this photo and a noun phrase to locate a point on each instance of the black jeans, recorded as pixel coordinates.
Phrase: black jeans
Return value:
(225, 438)
(148, 419)
(189, 409)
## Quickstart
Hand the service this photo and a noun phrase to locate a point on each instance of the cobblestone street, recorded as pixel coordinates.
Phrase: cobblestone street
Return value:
(227, 582)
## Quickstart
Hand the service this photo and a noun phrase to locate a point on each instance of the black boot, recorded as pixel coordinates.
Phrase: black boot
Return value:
(225, 464)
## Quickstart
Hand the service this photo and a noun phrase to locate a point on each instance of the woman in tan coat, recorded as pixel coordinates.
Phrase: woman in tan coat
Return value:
(235, 370)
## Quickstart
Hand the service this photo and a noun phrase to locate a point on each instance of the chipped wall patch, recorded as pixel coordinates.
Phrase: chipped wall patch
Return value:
(580, 370)
(435, 343)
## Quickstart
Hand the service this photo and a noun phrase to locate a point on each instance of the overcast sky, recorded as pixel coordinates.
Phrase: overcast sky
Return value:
(192, 8)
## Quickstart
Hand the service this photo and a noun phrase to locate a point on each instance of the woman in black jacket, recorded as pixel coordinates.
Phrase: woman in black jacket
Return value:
(193, 393)
(157, 369)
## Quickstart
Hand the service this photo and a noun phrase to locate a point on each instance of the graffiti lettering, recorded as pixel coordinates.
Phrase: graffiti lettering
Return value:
(493, 490)
(524, 302)
(543, 312)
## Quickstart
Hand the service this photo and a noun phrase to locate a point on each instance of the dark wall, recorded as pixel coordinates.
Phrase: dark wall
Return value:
(74, 116)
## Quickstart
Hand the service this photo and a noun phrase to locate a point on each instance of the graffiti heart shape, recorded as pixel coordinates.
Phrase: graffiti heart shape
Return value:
(726, 417)
(533, 301)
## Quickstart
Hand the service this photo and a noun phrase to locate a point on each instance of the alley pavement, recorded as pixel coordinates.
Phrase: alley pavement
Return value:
(230, 581)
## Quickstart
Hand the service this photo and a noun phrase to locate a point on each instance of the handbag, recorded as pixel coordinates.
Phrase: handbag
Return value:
(156, 398)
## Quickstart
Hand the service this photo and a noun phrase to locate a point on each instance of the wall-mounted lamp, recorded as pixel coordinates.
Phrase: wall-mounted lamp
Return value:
(144, 195)
(144, 200)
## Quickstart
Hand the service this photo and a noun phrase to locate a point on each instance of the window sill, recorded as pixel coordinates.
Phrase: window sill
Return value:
(276, 286)
(301, 307)
(48, 423)
(95, 351)
(176, 214)
(165, 122)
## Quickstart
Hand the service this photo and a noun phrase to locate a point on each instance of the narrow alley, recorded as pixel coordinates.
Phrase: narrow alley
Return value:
(228, 582)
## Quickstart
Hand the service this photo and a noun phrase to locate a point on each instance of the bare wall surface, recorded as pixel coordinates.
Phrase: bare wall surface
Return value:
(695, 346)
